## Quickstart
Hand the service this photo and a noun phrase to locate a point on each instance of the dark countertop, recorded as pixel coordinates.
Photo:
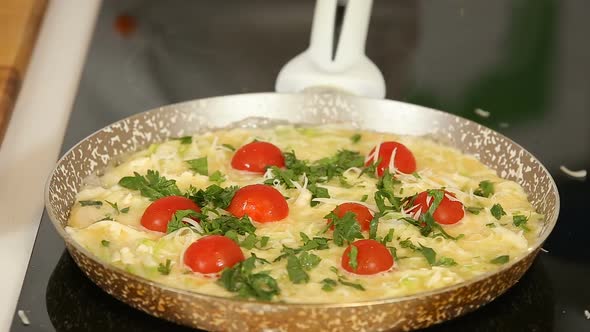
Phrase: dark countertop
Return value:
(527, 62)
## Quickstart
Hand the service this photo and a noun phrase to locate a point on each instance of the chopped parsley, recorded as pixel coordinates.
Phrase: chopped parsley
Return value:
(346, 229)
(520, 221)
(317, 243)
(356, 138)
(165, 268)
(152, 185)
(242, 280)
(491, 225)
(90, 203)
(364, 198)
(474, 209)
(115, 206)
(352, 257)
(105, 243)
(229, 146)
(416, 175)
(298, 265)
(385, 197)
(500, 260)
(426, 223)
(317, 192)
(328, 284)
(217, 176)
(497, 211)
(343, 281)
(185, 139)
(428, 253)
(485, 189)
(199, 165)
(176, 221)
(213, 196)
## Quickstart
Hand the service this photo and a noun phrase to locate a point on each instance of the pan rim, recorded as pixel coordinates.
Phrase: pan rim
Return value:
(533, 249)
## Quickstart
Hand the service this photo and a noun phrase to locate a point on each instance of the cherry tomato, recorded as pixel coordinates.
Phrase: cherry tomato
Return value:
(260, 202)
(257, 156)
(404, 160)
(449, 211)
(158, 214)
(213, 253)
(372, 257)
(362, 214)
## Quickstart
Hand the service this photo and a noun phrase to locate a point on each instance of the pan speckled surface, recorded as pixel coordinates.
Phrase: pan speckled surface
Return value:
(106, 145)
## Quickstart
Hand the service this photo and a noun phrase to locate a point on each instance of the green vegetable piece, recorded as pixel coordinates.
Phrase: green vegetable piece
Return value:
(213, 196)
(355, 138)
(497, 211)
(520, 221)
(249, 242)
(90, 203)
(346, 229)
(352, 256)
(295, 271)
(308, 260)
(240, 279)
(317, 192)
(446, 261)
(125, 210)
(176, 221)
(428, 253)
(473, 209)
(105, 243)
(152, 185)
(491, 225)
(199, 165)
(500, 260)
(165, 268)
(185, 139)
(485, 189)
(328, 284)
(373, 226)
(229, 146)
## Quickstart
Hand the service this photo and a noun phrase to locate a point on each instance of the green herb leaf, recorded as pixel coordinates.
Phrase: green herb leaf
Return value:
(229, 146)
(373, 225)
(388, 238)
(185, 139)
(352, 256)
(473, 209)
(295, 271)
(308, 260)
(416, 175)
(344, 281)
(249, 242)
(364, 198)
(114, 206)
(485, 189)
(199, 165)
(446, 261)
(90, 203)
(152, 185)
(226, 223)
(176, 221)
(165, 269)
(317, 243)
(264, 241)
(497, 211)
(491, 225)
(317, 192)
(355, 138)
(346, 229)
(520, 221)
(105, 243)
(125, 210)
(242, 280)
(328, 284)
(217, 176)
(213, 196)
(428, 253)
(393, 251)
(500, 260)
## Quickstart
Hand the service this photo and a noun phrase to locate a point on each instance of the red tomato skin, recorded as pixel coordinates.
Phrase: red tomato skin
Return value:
(447, 213)
(213, 253)
(362, 214)
(404, 158)
(260, 202)
(373, 257)
(158, 214)
(257, 156)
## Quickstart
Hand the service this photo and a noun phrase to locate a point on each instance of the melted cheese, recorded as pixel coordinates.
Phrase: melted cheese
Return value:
(139, 251)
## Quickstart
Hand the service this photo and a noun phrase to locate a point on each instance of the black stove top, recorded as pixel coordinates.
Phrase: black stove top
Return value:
(526, 62)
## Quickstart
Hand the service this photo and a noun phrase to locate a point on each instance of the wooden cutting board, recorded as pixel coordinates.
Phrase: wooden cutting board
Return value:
(19, 24)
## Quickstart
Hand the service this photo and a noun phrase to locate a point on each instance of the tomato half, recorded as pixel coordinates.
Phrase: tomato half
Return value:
(372, 257)
(257, 156)
(362, 214)
(158, 214)
(213, 253)
(450, 211)
(260, 202)
(404, 160)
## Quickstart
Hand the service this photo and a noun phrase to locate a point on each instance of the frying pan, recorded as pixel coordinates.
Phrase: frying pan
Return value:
(313, 107)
